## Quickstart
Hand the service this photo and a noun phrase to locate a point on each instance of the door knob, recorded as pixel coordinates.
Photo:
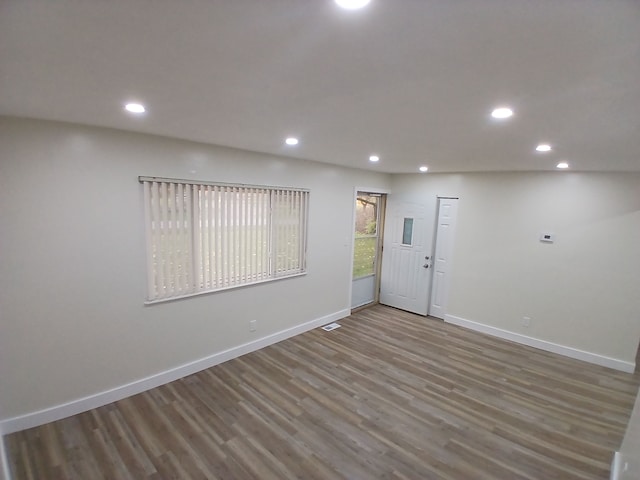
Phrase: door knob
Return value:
(426, 265)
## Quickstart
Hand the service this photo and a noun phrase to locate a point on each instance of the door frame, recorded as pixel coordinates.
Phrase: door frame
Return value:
(432, 206)
(382, 213)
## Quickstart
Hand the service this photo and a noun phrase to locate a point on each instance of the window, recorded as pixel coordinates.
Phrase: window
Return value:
(365, 247)
(407, 231)
(204, 237)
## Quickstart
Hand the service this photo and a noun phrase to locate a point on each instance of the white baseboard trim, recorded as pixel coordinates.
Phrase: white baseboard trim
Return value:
(615, 466)
(571, 352)
(80, 405)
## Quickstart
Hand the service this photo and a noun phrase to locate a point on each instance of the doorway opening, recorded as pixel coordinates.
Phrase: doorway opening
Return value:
(367, 248)
(418, 249)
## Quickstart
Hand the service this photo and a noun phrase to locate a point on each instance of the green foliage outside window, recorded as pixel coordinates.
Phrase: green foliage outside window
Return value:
(364, 254)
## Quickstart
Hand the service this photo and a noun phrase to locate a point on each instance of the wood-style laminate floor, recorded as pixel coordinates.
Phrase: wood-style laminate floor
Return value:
(390, 395)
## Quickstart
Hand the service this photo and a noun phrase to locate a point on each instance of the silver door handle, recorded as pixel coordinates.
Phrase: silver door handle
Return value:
(426, 265)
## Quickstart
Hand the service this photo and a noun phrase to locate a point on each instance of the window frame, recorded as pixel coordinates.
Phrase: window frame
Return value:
(273, 200)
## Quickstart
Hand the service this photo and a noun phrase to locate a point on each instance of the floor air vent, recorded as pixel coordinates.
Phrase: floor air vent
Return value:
(331, 326)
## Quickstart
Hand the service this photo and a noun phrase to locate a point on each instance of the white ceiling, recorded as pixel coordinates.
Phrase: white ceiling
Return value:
(413, 81)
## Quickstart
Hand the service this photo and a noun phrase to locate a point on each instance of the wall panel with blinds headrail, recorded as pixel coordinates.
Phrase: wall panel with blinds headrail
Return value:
(205, 237)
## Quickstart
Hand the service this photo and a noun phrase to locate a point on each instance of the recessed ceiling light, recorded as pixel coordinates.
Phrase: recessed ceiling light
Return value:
(291, 141)
(352, 4)
(502, 112)
(562, 165)
(374, 158)
(543, 147)
(135, 108)
(423, 168)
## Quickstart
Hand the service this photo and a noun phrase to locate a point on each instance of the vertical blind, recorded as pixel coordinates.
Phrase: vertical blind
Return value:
(208, 237)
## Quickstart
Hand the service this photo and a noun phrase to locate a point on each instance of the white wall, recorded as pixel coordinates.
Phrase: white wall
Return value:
(72, 267)
(582, 291)
(630, 449)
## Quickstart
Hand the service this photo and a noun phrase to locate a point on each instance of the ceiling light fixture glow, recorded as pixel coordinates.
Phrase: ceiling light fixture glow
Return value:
(135, 108)
(501, 113)
(291, 141)
(543, 147)
(423, 168)
(352, 4)
(562, 165)
(374, 158)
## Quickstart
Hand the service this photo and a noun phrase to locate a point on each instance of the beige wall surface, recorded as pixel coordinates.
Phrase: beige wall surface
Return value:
(580, 291)
(73, 274)
(73, 264)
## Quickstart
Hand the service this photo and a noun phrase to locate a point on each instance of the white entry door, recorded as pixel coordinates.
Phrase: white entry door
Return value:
(445, 232)
(406, 275)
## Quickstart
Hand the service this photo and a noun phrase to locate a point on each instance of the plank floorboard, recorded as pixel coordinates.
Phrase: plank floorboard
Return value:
(390, 395)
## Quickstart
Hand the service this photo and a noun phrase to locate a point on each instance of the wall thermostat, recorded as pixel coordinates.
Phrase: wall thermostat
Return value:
(547, 237)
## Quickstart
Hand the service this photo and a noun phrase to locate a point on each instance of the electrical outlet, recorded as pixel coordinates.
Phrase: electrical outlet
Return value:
(252, 325)
(526, 321)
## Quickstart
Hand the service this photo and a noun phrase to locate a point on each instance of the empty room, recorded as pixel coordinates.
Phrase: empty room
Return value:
(319, 239)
